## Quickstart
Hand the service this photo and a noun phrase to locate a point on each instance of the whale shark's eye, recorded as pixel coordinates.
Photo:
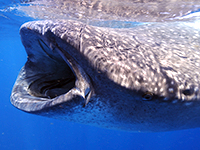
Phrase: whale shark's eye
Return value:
(147, 96)
(188, 92)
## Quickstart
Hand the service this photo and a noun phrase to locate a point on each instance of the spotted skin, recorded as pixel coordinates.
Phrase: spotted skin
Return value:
(144, 78)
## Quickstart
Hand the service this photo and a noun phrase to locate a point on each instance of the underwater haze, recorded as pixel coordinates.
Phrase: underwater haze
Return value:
(23, 131)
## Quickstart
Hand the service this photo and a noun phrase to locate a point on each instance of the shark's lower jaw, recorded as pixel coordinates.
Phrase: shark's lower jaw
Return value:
(50, 76)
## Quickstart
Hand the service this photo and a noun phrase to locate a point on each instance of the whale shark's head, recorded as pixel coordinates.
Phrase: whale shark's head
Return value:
(144, 78)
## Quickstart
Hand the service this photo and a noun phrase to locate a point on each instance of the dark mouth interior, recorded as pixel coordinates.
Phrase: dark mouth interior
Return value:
(50, 88)
(50, 76)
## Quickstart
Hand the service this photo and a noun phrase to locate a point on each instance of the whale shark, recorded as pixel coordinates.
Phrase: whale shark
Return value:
(144, 78)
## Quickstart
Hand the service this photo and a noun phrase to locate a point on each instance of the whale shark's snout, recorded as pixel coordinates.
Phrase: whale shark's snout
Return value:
(50, 76)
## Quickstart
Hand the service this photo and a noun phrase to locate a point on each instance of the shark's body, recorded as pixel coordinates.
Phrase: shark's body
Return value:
(139, 79)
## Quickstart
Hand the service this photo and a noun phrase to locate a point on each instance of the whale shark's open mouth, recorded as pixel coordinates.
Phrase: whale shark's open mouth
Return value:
(50, 76)
(52, 84)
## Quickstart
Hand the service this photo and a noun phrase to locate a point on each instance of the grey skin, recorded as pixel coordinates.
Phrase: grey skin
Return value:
(144, 78)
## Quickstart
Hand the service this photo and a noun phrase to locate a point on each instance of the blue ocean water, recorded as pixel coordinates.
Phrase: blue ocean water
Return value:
(23, 131)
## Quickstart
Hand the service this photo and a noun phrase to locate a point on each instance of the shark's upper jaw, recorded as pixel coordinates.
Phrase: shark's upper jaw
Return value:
(50, 76)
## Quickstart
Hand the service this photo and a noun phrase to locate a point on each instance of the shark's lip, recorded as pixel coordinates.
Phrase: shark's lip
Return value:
(36, 89)
(83, 83)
